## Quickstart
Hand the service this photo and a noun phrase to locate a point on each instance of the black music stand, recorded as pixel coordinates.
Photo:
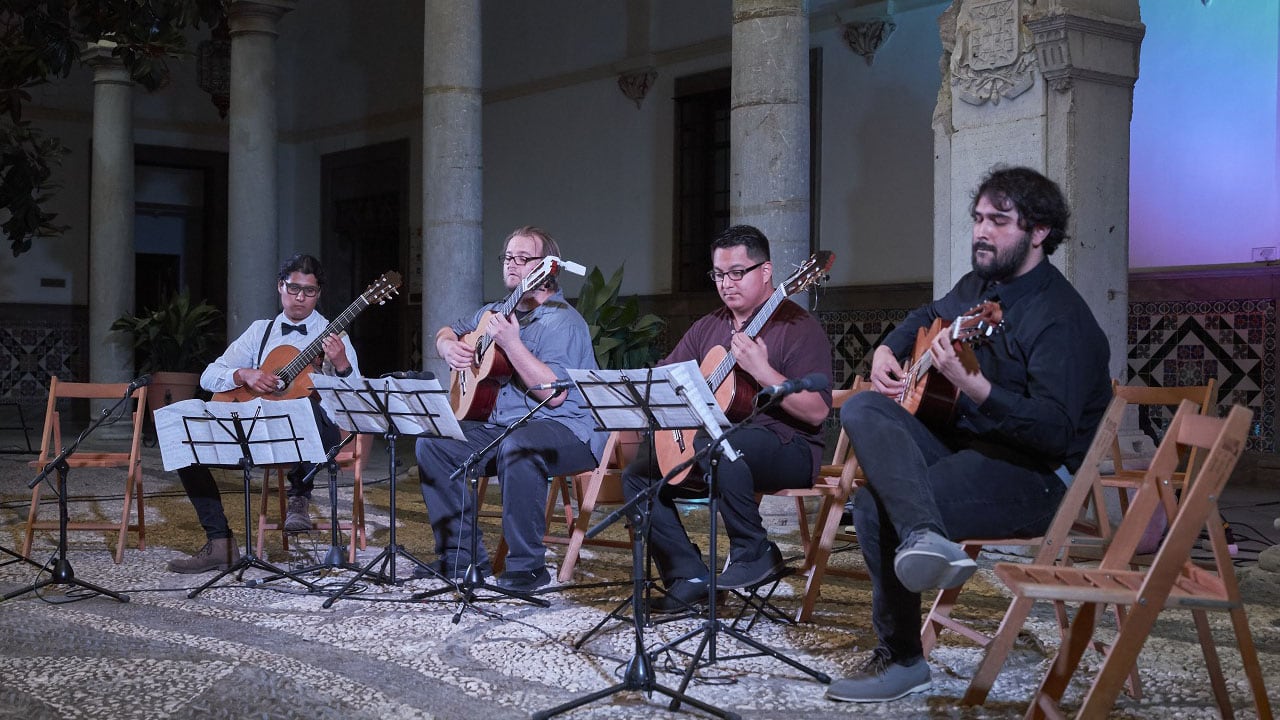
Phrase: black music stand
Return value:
(472, 578)
(277, 432)
(390, 407)
(658, 401)
(62, 572)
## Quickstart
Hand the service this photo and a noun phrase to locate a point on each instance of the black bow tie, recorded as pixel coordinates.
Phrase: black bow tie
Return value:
(286, 328)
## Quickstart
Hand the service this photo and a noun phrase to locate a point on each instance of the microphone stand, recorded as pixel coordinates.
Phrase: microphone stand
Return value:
(62, 572)
(472, 579)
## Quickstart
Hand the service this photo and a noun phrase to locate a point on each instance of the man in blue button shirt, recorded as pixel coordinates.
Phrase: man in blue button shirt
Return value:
(1029, 406)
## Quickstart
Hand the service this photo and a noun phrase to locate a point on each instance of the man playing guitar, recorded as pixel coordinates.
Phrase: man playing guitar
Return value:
(782, 446)
(1027, 403)
(299, 283)
(542, 339)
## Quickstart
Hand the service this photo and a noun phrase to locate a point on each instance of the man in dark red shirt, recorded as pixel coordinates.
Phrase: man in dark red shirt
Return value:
(780, 448)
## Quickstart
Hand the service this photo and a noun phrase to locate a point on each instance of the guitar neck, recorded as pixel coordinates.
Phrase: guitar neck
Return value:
(753, 328)
(316, 346)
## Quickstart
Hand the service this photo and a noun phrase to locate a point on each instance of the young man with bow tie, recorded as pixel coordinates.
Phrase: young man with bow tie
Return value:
(299, 283)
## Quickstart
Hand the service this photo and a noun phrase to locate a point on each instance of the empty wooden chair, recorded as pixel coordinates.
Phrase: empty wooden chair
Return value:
(129, 459)
(1173, 581)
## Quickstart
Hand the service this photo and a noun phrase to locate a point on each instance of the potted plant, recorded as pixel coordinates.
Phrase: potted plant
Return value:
(173, 342)
(621, 336)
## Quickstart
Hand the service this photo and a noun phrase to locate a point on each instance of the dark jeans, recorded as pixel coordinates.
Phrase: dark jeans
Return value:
(915, 481)
(203, 493)
(766, 465)
(524, 461)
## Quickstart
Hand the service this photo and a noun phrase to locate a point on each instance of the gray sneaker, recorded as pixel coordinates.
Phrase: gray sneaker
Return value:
(881, 680)
(298, 518)
(218, 554)
(927, 561)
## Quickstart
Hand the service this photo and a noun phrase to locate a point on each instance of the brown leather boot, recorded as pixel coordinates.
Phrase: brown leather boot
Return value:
(217, 554)
(298, 517)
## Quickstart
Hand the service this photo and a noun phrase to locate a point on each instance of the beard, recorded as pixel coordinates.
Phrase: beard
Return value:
(1001, 266)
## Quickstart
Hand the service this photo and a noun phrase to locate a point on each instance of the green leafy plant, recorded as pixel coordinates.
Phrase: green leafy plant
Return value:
(621, 336)
(178, 336)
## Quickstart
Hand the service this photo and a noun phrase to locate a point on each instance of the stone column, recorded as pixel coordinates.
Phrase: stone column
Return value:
(1048, 85)
(253, 242)
(453, 261)
(111, 209)
(769, 126)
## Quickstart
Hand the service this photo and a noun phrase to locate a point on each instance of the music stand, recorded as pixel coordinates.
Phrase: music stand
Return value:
(656, 399)
(390, 407)
(62, 572)
(240, 434)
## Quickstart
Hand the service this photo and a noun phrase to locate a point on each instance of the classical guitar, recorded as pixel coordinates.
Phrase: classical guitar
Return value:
(928, 394)
(734, 389)
(293, 366)
(473, 391)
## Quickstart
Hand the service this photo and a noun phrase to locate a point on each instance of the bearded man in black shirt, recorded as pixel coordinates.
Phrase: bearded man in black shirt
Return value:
(1026, 412)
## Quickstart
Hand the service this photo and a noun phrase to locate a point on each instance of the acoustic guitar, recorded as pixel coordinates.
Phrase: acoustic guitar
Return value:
(473, 391)
(293, 366)
(928, 394)
(734, 389)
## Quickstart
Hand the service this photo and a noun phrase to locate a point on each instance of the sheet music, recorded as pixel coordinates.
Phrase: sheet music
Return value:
(416, 407)
(677, 396)
(193, 432)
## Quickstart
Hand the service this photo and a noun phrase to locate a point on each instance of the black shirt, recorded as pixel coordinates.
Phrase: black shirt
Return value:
(1048, 368)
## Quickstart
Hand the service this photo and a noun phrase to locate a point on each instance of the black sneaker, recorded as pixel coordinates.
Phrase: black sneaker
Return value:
(524, 580)
(449, 570)
(750, 573)
(684, 595)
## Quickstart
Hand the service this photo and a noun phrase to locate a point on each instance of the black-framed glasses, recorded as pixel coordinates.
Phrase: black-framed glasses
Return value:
(520, 260)
(718, 277)
(304, 290)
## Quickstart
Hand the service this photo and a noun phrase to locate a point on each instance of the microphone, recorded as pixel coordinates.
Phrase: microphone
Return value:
(140, 382)
(411, 375)
(557, 385)
(812, 381)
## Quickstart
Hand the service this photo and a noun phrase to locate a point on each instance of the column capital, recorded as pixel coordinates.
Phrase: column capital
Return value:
(1071, 48)
(257, 16)
(107, 66)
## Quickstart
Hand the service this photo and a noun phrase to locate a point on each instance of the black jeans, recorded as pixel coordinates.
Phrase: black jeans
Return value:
(766, 465)
(915, 481)
(203, 493)
(524, 461)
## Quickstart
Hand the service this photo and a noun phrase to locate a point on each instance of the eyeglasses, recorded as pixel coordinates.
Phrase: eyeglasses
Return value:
(304, 290)
(520, 260)
(718, 277)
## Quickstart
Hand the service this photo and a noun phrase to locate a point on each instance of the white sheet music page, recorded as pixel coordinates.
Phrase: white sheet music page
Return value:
(279, 432)
(416, 407)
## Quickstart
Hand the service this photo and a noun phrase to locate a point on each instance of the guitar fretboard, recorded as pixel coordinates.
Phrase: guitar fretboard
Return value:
(315, 347)
(753, 328)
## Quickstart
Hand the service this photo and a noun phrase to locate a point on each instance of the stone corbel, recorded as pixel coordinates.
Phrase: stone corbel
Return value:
(1070, 49)
(866, 37)
(635, 84)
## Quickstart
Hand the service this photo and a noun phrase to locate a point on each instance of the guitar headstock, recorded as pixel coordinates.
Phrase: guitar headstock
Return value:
(978, 324)
(812, 272)
(547, 269)
(383, 289)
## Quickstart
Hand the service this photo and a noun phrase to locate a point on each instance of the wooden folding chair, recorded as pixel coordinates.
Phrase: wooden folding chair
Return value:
(834, 484)
(131, 461)
(1172, 581)
(354, 456)
(1127, 479)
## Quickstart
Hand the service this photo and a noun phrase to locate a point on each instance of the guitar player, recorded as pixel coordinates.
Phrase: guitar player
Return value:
(780, 448)
(542, 339)
(1027, 410)
(299, 282)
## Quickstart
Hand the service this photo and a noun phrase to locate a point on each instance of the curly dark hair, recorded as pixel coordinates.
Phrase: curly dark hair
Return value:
(747, 236)
(1038, 200)
(305, 264)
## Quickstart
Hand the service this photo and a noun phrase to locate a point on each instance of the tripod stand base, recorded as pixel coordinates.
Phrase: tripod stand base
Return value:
(639, 678)
(471, 581)
(249, 560)
(60, 574)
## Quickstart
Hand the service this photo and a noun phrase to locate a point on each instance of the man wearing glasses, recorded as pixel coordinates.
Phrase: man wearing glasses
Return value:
(542, 339)
(780, 448)
(299, 283)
